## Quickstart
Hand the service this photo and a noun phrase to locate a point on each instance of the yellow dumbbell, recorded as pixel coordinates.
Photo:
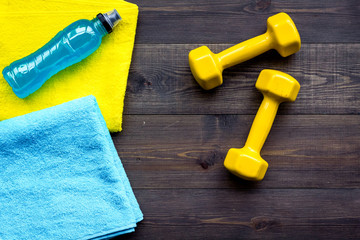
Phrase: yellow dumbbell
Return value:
(281, 35)
(277, 87)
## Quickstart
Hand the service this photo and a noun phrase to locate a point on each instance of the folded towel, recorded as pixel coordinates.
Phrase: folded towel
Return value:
(26, 25)
(61, 177)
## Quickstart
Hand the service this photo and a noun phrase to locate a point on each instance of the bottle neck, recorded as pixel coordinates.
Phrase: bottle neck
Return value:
(99, 26)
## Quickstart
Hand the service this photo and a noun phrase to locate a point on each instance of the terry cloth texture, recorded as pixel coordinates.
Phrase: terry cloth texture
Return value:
(27, 25)
(61, 177)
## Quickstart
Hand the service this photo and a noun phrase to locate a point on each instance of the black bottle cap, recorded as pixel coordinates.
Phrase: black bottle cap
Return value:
(109, 20)
(105, 23)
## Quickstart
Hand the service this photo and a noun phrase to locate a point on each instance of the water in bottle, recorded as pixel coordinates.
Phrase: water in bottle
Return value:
(69, 46)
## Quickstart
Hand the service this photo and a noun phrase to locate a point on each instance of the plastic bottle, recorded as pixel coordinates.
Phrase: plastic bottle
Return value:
(69, 46)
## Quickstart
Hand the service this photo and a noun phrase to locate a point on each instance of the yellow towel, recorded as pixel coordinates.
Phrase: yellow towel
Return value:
(26, 25)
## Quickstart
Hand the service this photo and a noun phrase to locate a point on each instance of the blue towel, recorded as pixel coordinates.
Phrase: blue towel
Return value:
(61, 177)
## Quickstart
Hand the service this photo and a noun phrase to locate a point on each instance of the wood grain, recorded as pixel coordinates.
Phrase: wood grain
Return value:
(187, 151)
(248, 214)
(233, 21)
(176, 135)
(161, 82)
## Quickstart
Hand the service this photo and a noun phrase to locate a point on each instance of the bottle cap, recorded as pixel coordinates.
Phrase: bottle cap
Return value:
(109, 19)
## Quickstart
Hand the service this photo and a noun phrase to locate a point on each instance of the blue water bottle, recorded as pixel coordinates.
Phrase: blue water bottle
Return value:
(69, 46)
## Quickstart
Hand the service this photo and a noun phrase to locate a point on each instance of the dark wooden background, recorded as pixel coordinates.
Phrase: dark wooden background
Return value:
(176, 135)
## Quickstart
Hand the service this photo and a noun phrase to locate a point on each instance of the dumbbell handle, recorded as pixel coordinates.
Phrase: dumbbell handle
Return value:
(262, 123)
(245, 50)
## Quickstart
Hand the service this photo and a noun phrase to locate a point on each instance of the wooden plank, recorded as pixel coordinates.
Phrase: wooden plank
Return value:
(233, 21)
(160, 81)
(248, 214)
(187, 151)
